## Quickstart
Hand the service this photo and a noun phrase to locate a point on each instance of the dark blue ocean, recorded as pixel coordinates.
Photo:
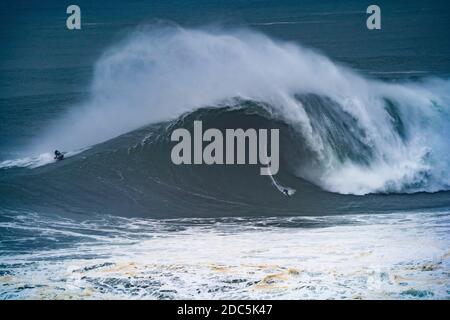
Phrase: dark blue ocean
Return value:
(364, 120)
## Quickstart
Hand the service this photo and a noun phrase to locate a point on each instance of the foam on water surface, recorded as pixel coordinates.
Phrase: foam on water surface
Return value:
(400, 256)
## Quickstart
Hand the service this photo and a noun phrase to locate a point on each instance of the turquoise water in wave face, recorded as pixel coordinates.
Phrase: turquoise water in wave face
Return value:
(45, 69)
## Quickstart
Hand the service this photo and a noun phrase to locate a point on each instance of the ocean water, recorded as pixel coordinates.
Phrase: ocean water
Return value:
(364, 120)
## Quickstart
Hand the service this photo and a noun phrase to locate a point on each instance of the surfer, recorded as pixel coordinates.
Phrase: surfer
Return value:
(284, 190)
(58, 155)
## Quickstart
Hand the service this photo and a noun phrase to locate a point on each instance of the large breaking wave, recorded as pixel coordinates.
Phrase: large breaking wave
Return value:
(352, 135)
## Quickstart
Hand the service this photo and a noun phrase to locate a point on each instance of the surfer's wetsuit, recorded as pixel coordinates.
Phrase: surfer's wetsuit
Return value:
(58, 155)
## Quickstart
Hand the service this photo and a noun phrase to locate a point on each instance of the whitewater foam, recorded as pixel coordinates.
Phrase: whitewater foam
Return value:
(395, 256)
